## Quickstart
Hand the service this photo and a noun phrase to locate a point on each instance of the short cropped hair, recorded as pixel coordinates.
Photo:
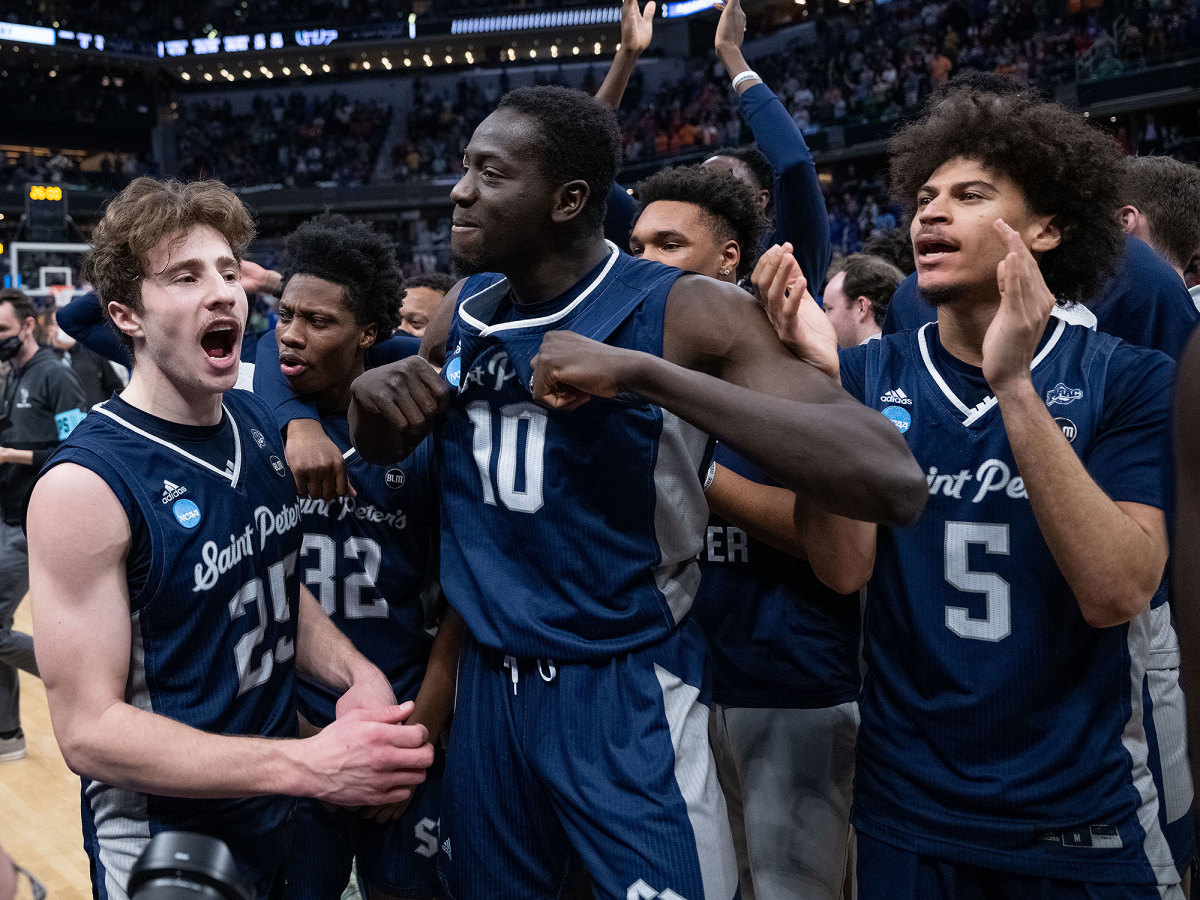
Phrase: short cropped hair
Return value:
(352, 255)
(871, 277)
(22, 304)
(435, 281)
(730, 205)
(578, 138)
(145, 213)
(1167, 192)
(1064, 167)
(758, 164)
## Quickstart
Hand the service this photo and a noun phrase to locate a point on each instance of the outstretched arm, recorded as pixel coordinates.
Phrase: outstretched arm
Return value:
(724, 371)
(800, 216)
(637, 28)
(81, 607)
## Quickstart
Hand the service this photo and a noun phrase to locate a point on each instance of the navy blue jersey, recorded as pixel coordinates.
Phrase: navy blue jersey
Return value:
(213, 603)
(1144, 303)
(569, 535)
(779, 637)
(998, 727)
(367, 559)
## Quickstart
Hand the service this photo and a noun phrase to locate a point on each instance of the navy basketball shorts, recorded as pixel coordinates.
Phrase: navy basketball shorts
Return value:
(397, 857)
(890, 873)
(605, 764)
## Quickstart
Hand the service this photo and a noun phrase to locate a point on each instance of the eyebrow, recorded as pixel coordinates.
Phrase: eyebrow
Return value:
(664, 233)
(958, 186)
(196, 263)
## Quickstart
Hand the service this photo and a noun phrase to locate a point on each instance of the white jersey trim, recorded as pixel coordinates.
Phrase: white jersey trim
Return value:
(972, 414)
(485, 329)
(234, 476)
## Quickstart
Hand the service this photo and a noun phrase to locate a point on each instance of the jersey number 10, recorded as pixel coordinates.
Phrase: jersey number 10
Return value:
(513, 457)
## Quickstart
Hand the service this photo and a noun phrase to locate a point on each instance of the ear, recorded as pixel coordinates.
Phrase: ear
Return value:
(764, 198)
(731, 256)
(866, 309)
(1043, 235)
(569, 200)
(369, 335)
(1129, 218)
(127, 321)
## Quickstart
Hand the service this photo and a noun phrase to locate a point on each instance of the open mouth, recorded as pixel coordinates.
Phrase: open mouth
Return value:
(932, 248)
(218, 341)
(291, 366)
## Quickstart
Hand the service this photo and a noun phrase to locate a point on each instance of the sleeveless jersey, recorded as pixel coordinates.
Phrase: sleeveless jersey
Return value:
(998, 727)
(367, 560)
(567, 535)
(212, 612)
(779, 637)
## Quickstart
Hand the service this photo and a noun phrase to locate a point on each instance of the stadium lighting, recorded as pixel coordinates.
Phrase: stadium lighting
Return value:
(208, 76)
(245, 73)
(470, 57)
(286, 70)
(596, 47)
(575, 50)
(449, 59)
(407, 62)
(325, 68)
(533, 54)
(387, 63)
(428, 60)
(554, 50)
(184, 75)
(512, 54)
(366, 64)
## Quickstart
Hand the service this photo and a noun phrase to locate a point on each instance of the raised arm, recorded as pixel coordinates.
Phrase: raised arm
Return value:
(800, 216)
(83, 320)
(724, 371)
(82, 614)
(637, 29)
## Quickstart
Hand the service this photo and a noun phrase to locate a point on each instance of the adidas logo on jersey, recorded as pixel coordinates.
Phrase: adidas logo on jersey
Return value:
(172, 491)
(896, 396)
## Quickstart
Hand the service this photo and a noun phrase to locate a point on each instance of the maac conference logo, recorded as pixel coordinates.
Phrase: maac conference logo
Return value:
(186, 513)
(900, 417)
(1060, 393)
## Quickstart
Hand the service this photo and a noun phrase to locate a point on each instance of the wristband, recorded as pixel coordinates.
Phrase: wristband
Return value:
(744, 76)
(712, 473)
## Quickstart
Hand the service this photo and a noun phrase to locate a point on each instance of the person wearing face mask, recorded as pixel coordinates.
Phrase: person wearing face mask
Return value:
(41, 404)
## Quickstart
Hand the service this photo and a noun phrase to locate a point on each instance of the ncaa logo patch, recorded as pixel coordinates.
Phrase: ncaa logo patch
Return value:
(1068, 428)
(186, 513)
(900, 417)
(258, 438)
(278, 465)
(453, 371)
(394, 479)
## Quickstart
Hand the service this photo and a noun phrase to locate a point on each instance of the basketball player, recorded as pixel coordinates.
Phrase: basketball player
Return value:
(579, 384)
(1003, 751)
(163, 541)
(365, 558)
(784, 644)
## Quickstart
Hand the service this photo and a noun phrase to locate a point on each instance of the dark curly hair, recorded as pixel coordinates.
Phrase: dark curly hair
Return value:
(1064, 167)
(146, 212)
(579, 139)
(332, 247)
(758, 164)
(435, 281)
(730, 204)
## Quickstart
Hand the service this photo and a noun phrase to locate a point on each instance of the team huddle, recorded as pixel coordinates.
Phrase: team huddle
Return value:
(578, 612)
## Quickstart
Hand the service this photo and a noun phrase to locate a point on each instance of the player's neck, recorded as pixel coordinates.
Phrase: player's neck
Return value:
(962, 325)
(158, 397)
(556, 272)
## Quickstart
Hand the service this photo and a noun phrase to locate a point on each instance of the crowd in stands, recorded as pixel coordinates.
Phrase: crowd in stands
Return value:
(294, 141)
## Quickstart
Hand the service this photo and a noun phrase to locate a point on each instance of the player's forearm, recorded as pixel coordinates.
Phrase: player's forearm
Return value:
(613, 89)
(146, 752)
(833, 451)
(735, 64)
(841, 551)
(1110, 561)
(324, 653)
(20, 457)
(763, 511)
(435, 699)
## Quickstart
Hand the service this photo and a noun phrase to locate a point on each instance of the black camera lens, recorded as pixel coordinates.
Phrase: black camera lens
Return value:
(179, 865)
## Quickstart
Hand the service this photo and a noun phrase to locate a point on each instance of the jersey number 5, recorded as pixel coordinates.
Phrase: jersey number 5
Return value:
(996, 625)
(516, 456)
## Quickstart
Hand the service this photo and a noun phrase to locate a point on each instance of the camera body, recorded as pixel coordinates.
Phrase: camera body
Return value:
(181, 865)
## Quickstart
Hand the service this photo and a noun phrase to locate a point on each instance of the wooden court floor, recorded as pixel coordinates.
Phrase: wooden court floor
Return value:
(39, 800)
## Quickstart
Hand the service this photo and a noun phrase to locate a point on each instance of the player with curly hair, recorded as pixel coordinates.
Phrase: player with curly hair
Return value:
(367, 557)
(1003, 749)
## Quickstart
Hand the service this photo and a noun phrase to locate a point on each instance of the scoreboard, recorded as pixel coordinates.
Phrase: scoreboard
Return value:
(45, 212)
